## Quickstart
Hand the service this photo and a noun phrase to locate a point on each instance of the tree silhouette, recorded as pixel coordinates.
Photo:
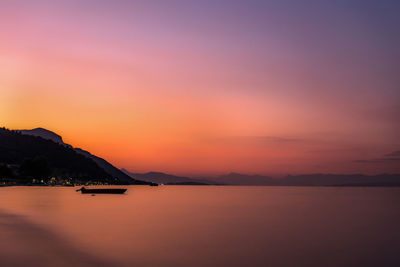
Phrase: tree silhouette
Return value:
(38, 168)
(5, 171)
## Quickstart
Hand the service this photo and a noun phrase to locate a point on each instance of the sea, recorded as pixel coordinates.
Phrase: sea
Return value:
(201, 226)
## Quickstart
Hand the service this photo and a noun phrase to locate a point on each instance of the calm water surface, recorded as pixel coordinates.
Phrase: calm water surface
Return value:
(201, 226)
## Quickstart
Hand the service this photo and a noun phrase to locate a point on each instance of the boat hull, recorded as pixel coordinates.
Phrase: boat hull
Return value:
(103, 191)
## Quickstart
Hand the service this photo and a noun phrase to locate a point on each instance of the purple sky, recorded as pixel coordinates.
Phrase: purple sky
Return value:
(195, 87)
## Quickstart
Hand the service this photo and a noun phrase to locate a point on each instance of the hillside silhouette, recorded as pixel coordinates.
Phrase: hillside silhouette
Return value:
(27, 157)
(106, 166)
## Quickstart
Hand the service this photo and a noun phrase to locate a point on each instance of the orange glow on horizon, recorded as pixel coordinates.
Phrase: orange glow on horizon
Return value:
(197, 98)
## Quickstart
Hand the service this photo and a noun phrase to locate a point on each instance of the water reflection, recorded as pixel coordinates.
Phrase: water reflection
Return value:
(201, 226)
(27, 244)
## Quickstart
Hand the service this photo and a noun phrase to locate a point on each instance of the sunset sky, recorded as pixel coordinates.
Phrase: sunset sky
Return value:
(209, 87)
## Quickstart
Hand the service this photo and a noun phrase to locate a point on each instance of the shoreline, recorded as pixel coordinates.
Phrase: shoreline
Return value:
(346, 185)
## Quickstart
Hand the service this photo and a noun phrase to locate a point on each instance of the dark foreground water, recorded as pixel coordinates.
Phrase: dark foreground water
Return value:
(201, 226)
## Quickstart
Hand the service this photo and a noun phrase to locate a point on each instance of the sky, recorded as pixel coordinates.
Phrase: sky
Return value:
(209, 87)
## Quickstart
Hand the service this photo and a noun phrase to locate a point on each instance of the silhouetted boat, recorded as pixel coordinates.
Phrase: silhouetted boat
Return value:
(102, 190)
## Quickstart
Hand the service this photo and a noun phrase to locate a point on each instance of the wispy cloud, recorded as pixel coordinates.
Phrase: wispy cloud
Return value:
(254, 139)
(271, 139)
(393, 156)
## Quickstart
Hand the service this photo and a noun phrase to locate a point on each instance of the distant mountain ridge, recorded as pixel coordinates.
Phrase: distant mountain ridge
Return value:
(311, 180)
(342, 180)
(106, 166)
(244, 179)
(163, 178)
(261, 180)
